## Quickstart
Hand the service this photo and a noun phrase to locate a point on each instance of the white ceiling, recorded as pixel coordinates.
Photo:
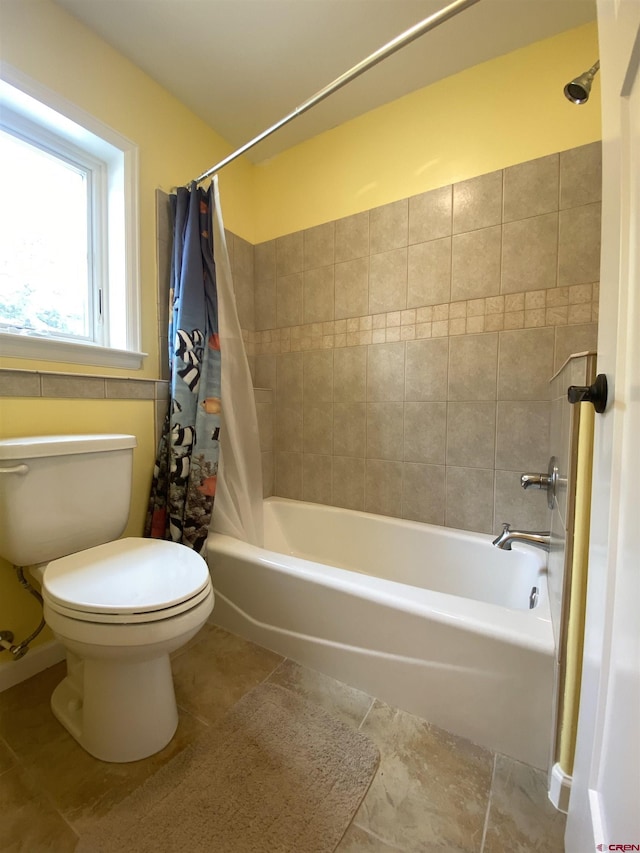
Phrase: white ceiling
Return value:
(241, 65)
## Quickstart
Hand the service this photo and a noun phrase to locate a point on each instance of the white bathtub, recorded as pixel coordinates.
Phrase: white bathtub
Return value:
(432, 620)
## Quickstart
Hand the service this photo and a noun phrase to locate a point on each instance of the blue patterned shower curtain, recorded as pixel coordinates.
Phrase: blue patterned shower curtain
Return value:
(185, 474)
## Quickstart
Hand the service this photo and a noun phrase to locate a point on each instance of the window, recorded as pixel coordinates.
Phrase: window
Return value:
(68, 232)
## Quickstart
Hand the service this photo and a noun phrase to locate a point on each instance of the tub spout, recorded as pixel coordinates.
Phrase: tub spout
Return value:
(538, 540)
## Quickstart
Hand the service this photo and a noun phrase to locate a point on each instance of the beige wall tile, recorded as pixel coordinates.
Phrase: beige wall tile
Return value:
(572, 339)
(514, 320)
(129, 389)
(389, 226)
(429, 273)
(475, 325)
(289, 254)
(403, 352)
(289, 292)
(430, 215)
(349, 429)
(385, 372)
(265, 304)
(385, 430)
(531, 188)
(317, 476)
(348, 482)
(522, 435)
(289, 426)
(265, 425)
(535, 318)
(352, 288)
(319, 246)
(388, 281)
(557, 316)
(425, 432)
(19, 383)
(426, 372)
(494, 304)
(318, 428)
(245, 295)
(264, 260)
(581, 175)
(477, 203)
(288, 478)
(423, 493)
(318, 295)
(473, 363)
(81, 387)
(289, 373)
(350, 374)
(522, 510)
(475, 264)
(494, 322)
(265, 375)
(469, 499)
(525, 364)
(471, 431)
(268, 474)
(579, 245)
(530, 253)
(352, 237)
(383, 487)
(579, 313)
(317, 373)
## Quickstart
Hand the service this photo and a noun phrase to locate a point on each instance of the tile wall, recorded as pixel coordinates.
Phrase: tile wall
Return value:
(410, 346)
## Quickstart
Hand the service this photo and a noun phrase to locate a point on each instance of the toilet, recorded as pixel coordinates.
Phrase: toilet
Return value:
(118, 606)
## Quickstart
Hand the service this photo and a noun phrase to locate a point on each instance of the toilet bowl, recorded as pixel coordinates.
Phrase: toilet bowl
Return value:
(118, 606)
(120, 609)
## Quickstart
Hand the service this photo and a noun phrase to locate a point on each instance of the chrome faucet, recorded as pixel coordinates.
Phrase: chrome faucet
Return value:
(539, 540)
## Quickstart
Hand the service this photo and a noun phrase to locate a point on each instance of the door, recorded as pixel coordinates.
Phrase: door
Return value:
(605, 797)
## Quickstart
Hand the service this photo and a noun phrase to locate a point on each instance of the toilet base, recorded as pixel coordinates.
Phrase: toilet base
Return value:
(117, 710)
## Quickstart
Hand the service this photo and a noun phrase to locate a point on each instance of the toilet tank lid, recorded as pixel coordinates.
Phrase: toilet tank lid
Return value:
(32, 447)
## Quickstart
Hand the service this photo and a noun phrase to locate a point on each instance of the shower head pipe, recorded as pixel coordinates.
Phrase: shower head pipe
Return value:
(578, 90)
(387, 49)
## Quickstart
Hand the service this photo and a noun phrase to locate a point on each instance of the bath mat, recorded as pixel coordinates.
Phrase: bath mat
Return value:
(278, 775)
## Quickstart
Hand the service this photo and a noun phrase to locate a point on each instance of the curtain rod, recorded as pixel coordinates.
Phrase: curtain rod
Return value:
(387, 49)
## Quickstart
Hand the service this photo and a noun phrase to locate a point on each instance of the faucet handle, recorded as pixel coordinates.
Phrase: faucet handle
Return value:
(539, 480)
(548, 481)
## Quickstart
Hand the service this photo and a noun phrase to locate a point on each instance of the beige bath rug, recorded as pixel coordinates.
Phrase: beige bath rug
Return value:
(278, 775)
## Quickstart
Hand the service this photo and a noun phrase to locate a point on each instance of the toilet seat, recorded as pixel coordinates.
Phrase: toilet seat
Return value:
(127, 581)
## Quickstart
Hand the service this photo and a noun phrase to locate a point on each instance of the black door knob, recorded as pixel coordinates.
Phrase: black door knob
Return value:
(596, 393)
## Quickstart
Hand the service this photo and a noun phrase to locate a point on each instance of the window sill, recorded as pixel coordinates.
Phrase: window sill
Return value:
(68, 352)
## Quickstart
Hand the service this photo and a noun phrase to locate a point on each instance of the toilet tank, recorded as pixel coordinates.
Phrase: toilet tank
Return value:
(62, 493)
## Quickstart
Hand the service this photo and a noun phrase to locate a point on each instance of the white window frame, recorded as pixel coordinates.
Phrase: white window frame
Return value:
(114, 161)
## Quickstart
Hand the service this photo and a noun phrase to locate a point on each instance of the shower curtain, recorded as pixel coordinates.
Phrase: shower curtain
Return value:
(188, 469)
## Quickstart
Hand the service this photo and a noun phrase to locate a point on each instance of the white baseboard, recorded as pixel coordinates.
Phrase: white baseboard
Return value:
(560, 788)
(36, 660)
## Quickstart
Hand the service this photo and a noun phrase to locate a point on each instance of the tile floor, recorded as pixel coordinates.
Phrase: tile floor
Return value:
(433, 791)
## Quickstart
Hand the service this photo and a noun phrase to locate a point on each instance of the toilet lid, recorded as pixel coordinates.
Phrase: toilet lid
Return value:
(128, 576)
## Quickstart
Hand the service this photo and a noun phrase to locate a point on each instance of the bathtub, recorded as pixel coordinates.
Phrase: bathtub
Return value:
(429, 619)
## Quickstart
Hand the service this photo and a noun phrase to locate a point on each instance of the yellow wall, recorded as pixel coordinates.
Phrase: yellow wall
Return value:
(53, 48)
(502, 112)
(19, 612)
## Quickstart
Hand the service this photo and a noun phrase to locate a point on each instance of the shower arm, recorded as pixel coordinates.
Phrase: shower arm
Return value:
(387, 49)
